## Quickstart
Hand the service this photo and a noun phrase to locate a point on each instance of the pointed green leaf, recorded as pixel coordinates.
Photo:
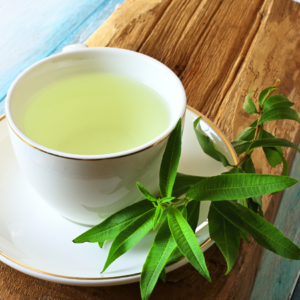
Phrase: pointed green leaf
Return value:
(146, 193)
(248, 166)
(167, 199)
(163, 275)
(273, 157)
(240, 146)
(129, 236)
(186, 241)
(193, 210)
(248, 105)
(170, 161)
(246, 135)
(234, 171)
(225, 235)
(258, 201)
(273, 143)
(254, 124)
(244, 236)
(208, 146)
(279, 113)
(101, 244)
(183, 182)
(285, 171)
(264, 95)
(238, 186)
(157, 215)
(277, 101)
(158, 255)
(113, 225)
(254, 206)
(264, 233)
(268, 135)
(244, 202)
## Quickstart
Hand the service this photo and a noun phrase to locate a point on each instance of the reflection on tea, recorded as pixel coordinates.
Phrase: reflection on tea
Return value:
(95, 113)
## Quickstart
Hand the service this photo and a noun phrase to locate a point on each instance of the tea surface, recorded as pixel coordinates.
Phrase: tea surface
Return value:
(95, 113)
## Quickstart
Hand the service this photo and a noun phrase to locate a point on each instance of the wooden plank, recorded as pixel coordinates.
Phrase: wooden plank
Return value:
(221, 49)
(40, 28)
(296, 294)
(277, 276)
(218, 63)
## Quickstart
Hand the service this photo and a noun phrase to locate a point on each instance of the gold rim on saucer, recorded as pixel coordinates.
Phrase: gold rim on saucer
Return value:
(208, 121)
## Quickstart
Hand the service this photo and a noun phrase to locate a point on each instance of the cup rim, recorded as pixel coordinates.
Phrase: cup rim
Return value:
(66, 155)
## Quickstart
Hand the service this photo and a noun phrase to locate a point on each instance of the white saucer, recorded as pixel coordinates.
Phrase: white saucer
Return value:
(37, 241)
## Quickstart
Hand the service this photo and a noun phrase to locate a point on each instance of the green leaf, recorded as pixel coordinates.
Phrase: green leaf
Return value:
(244, 236)
(183, 211)
(277, 101)
(208, 146)
(273, 157)
(113, 225)
(183, 182)
(244, 202)
(240, 146)
(237, 186)
(163, 275)
(279, 113)
(158, 255)
(248, 105)
(170, 161)
(273, 142)
(285, 171)
(146, 193)
(157, 215)
(234, 171)
(264, 95)
(248, 166)
(254, 124)
(186, 241)
(255, 207)
(167, 199)
(193, 209)
(225, 235)
(129, 236)
(246, 135)
(101, 244)
(264, 233)
(268, 135)
(258, 201)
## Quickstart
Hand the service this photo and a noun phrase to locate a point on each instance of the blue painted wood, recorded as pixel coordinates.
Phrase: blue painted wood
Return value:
(296, 294)
(32, 30)
(277, 276)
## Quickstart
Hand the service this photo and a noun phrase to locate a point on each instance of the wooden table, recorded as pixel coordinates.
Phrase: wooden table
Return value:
(220, 49)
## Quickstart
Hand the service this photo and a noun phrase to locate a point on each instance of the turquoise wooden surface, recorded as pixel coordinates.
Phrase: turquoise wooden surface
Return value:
(32, 30)
(277, 276)
(296, 294)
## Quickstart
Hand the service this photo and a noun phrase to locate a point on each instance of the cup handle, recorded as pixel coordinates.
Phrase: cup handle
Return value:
(74, 47)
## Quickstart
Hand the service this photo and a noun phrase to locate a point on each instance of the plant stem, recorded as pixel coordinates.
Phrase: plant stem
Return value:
(182, 201)
(246, 156)
(258, 127)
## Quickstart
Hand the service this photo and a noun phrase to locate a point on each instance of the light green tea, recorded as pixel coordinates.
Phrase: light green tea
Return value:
(95, 113)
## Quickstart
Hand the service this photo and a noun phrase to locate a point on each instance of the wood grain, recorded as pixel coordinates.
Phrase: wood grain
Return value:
(277, 276)
(220, 49)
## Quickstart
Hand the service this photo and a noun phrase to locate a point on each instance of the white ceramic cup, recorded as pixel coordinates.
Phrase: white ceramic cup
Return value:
(89, 188)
